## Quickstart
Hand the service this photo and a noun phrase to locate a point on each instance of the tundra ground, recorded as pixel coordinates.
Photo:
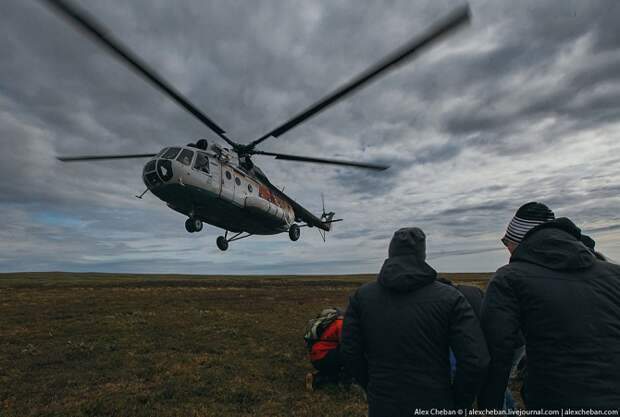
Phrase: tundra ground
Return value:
(148, 345)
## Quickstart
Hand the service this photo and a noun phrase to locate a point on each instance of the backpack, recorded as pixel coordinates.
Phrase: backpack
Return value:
(316, 326)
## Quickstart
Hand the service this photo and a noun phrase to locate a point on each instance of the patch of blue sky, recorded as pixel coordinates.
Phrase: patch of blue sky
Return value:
(55, 218)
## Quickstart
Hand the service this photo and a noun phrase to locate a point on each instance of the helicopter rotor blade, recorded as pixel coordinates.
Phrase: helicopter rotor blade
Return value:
(103, 157)
(97, 32)
(441, 28)
(300, 158)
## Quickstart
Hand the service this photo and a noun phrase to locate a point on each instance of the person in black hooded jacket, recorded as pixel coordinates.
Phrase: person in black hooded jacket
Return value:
(473, 294)
(398, 330)
(567, 304)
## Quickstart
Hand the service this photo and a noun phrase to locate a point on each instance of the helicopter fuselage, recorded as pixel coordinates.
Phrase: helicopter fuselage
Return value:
(210, 185)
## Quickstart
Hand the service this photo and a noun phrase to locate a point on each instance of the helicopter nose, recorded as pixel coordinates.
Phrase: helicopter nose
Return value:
(157, 172)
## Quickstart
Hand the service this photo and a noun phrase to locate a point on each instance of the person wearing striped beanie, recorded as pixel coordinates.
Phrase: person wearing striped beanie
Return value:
(526, 218)
(565, 300)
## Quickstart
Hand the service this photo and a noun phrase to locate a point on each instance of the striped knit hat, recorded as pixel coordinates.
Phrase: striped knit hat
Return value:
(527, 217)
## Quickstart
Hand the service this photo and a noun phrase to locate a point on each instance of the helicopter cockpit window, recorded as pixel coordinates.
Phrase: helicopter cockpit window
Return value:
(161, 153)
(171, 153)
(150, 166)
(202, 163)
(186, 157)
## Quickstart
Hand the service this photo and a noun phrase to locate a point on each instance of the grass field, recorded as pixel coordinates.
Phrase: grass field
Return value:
(147, 345)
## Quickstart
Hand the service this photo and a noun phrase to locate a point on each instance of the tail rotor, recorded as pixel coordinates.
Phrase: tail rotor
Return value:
(327, 218)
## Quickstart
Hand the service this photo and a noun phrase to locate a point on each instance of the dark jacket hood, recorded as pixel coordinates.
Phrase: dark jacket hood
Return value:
(405, 273)
(408, 241)
(556, 245)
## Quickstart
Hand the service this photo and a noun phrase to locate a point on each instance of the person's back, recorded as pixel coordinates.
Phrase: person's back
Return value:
(567, 303)
(398, 331)
(474, 297)
(329, 340)
(473, 294)
(324, 352)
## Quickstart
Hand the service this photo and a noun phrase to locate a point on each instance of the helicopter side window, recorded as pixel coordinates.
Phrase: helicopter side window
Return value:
(202, 163)
(228, 176)
(186, 157)
(237, 181)
(171, 153)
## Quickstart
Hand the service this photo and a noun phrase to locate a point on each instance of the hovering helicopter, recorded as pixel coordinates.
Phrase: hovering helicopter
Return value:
(221, 186)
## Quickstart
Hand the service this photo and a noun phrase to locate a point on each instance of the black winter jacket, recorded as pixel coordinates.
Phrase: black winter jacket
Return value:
(396, 336)
(567, 303)
(473, 295)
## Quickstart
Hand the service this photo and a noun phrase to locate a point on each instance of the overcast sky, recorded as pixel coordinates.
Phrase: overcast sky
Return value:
(522, 105)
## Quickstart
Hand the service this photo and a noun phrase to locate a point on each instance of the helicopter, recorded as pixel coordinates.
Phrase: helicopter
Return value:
(222, 186)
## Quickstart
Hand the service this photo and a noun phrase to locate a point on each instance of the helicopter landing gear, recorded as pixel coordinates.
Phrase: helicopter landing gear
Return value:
(222, 241)
(294, 232)
(193, 225)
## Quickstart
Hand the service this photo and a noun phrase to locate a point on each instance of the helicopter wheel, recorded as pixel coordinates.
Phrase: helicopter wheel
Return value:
(294, 232)
(189, 226)
(193, 225)
(197, 224)
(222, 243)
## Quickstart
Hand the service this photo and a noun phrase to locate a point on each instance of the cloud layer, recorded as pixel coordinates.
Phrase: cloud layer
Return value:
(522, 105)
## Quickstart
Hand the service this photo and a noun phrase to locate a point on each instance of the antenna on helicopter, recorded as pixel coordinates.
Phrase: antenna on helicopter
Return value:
(142, 195)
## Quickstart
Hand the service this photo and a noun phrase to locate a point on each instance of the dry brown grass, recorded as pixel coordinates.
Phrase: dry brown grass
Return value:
(144, 345)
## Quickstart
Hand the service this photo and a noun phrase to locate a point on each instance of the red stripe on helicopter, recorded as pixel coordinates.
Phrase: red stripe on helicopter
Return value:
(266, 194)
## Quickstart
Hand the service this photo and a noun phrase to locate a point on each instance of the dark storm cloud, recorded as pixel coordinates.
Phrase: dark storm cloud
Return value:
(483, 208)
(534, 46)
(381, 183)
(437, 255)
(522, 105)
(603, 229)
(353, 234)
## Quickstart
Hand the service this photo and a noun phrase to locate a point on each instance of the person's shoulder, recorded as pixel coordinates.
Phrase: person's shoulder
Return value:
(440, 286)
(443, 291)
(503, 270)
(511, 277)
(608, 267)
(468, 287)
(506, 272)
(470, 290)
(452, 296)
(362, 295)
(369, 287)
